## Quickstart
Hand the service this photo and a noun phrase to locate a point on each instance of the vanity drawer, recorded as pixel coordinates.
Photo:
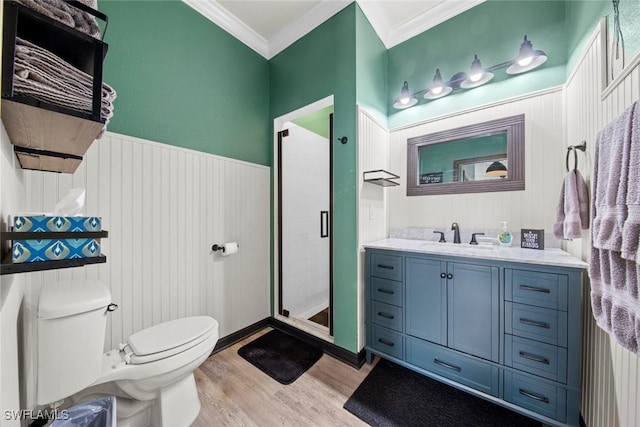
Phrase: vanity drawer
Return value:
(385, 290)
(536, 323)
(547, 290)
(536, 395)
(386, 266)
(387, 341)
(386, 315)
(548, 361)
(456, 366)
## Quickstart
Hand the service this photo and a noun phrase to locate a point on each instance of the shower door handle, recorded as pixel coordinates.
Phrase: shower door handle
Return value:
(324, 224)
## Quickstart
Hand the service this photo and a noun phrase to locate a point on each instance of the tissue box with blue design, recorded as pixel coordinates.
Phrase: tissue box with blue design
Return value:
(31, 250)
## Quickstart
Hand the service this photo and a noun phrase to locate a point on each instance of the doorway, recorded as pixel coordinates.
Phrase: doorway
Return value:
(304, 220)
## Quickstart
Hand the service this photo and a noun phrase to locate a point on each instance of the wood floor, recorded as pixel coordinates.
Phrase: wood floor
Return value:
(235, 393)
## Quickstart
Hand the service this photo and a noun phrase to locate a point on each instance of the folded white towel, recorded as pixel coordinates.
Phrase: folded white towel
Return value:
(41, 75)
(69, 15)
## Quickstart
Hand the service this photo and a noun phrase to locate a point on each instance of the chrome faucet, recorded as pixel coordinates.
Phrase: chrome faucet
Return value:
(456, 232)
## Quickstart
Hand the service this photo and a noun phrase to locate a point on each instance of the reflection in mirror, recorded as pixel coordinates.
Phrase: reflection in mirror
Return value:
(478, 158)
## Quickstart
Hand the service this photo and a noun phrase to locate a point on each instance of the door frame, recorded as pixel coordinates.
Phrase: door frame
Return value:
(279, 122)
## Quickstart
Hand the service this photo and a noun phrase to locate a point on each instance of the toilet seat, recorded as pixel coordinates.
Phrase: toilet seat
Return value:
(167, 339)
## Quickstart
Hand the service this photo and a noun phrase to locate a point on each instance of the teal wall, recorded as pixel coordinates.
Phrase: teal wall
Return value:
(371, 69)
(583, 16)
(320, 64)
(183, 81)
(494, 30)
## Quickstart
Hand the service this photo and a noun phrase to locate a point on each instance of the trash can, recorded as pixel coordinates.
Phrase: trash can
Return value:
(94, 413)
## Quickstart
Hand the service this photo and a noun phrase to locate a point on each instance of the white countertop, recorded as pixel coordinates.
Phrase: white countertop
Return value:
(554, 257)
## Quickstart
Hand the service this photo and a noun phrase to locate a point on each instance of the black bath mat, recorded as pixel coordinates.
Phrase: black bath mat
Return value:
(392, 395)
(281, 356)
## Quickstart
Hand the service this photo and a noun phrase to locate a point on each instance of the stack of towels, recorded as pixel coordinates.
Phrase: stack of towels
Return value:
(41, 75)
(614, 267)
(63, 12)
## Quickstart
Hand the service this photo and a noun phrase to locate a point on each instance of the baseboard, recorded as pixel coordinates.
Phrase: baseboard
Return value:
(353, 359)
(243, 333)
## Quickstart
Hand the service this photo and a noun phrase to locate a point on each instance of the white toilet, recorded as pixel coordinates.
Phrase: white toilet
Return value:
(151, 374)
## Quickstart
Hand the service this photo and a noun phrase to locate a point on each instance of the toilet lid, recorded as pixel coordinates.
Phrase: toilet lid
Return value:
(179, 334)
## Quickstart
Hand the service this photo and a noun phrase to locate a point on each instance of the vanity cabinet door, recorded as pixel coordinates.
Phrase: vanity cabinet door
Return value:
(474, 309)
(426, 300)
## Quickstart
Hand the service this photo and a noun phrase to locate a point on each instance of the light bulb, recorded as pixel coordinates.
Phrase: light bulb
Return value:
(404, 101)
(436, 90)
(475, 77)
(525, 61)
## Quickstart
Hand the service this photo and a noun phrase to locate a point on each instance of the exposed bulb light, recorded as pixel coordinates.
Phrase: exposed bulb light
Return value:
(477, 76)
(405, 100)
(438, 88)
(527, 59)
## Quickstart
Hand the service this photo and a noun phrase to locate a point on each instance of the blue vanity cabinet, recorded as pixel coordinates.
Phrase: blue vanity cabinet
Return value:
(426, 296)
(454, 304)
(507, 331)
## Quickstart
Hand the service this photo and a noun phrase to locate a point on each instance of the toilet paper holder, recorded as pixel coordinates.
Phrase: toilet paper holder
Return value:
(217, 247)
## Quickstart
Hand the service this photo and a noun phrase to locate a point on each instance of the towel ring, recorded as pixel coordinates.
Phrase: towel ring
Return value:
(582, 147)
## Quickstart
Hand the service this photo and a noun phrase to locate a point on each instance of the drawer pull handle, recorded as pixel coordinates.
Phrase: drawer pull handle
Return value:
(446, 365)
(387, 315)
(385, 291)
(386, 342)
(534, 396)
(449, 276)
(535, 289)
(443, 276)
(535, 323)
(386, 267)
(533, 357)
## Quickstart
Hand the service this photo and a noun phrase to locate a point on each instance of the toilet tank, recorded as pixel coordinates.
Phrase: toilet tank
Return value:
(72, 317)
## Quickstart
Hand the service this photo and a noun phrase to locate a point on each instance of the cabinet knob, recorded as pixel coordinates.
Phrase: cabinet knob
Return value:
(443, 276)
(449, 276)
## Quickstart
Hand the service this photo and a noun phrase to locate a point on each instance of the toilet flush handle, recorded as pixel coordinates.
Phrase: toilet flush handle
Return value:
(112, 307)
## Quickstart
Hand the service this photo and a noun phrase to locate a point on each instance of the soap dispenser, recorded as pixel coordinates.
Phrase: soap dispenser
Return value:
(505, 237)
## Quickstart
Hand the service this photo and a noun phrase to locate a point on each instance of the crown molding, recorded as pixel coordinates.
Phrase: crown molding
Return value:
(303, 25)
(212, 10)
(392, 36)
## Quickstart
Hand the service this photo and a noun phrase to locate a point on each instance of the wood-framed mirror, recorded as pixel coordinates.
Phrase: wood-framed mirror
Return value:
(478, 158)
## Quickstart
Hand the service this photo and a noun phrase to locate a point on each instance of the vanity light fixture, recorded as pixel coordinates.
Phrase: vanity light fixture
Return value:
(497, 169)
(477, 75)
(405, 100)
(439, 88)
(527, 60)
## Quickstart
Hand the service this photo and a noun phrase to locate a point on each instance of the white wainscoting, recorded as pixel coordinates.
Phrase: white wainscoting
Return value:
(610, 374)
(164, 208)
(534, 207)
(12, 290)
(373, 209)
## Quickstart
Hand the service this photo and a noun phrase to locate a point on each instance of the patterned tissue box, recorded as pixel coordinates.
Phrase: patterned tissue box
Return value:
(32, 250)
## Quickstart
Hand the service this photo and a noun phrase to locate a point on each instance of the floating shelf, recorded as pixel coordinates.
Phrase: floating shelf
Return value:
(24, 267)
(381, 177)
(46, 136)
(8, 267)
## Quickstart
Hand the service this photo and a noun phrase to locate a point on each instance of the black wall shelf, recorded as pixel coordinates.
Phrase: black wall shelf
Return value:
(381, 177)
(8, 267)
(41, 127)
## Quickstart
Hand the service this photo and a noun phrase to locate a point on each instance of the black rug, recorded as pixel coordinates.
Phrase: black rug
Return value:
(281, 356)
(393, 395)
